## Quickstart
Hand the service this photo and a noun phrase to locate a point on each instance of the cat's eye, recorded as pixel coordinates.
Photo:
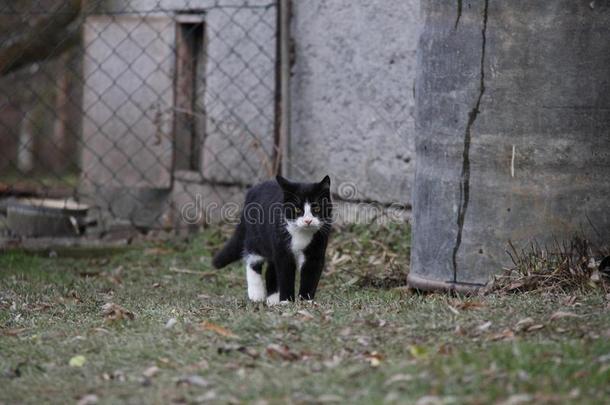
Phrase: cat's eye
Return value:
(315, 209)
(298, 210)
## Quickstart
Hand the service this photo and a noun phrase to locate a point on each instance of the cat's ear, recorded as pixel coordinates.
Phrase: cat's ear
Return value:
(284, 184)
(325, 183)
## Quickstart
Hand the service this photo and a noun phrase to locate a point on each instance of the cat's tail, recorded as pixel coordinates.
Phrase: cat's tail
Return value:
(233, 249)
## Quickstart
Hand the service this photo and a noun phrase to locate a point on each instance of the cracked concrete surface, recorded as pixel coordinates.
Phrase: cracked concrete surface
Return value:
(519, 168)
(472, 116)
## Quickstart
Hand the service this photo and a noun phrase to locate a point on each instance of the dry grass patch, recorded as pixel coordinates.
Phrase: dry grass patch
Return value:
(565, 267)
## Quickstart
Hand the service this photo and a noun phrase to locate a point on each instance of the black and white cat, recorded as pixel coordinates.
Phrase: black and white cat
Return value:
(285, 224)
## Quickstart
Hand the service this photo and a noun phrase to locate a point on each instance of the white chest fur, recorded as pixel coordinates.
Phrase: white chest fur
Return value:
(300, 240)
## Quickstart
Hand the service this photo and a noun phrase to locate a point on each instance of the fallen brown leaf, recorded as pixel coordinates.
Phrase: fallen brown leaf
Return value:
(563, 314)
(193, 380)
(200, 365)
(374, 358)
(281, 352)
(115, 375)
(212, 327)
(332, 362)
(74, 296)
(305, 315)
(12, 332)
(524, 323)
(150, 372)
(43, 306)
(570, 301)
(484, 326)
(115, 276)
(517, 399)
(157, 251)
(445, 349)
(249, 352)
(535, 327)
(467, 305)
(238, 348)
(506, 334)
(453, 309)
(580, 374)
(183, 271)
(398, 378)
(515, 285)
(89, 399)
(114, 312)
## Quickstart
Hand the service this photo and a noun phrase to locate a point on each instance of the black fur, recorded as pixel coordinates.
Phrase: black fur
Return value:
(232, 250)
(262, 231)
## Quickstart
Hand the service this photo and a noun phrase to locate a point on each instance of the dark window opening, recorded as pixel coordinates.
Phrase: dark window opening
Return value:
(188, 119)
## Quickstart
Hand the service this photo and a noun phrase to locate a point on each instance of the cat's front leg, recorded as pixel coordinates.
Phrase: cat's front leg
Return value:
(310, 277)
(285, 269)
(256, 286)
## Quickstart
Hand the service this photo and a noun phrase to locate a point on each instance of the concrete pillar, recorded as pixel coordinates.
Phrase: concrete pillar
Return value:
(513, 142)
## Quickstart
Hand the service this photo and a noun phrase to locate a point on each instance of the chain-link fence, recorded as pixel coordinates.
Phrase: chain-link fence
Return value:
(134, 115)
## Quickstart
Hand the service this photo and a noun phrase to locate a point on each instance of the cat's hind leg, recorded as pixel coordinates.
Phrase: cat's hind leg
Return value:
(273, 294)
(254, 277)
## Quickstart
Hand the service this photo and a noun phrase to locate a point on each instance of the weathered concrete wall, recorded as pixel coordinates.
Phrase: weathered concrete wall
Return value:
(127, 100)
(352, 94)
(512, 123)
(352, 99)
(239, 94)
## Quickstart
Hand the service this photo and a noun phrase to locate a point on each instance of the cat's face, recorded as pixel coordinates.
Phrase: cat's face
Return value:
(307, 206)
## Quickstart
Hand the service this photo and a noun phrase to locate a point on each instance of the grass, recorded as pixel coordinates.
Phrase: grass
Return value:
(566, 267)
(366, 339)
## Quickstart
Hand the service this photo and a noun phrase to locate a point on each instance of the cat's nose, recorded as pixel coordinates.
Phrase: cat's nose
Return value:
(307, 221)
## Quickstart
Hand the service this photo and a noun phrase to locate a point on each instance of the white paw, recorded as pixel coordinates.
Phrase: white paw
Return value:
(273, 299)
(256, 293)
(256, 286)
